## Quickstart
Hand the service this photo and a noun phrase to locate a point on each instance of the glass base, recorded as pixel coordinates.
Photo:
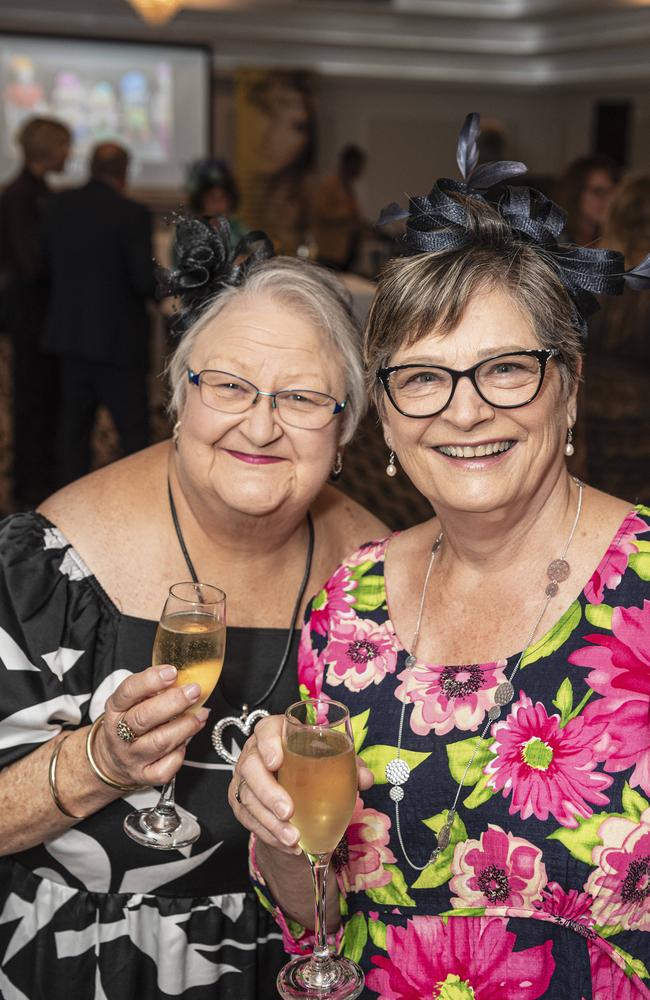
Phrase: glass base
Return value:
(333, 979)
(152, 828)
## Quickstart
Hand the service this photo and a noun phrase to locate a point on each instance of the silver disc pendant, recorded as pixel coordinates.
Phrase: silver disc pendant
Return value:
(410, 661)
(558, 570)
(397, 771)
(396, 793)
(494, 713)
(504, 693)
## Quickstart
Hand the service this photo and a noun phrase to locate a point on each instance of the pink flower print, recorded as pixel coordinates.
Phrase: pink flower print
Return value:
(446, 698)
(497, 870)
(367, 839)
(620, 884)
(620, 662)
(310, 664)
(547, 769)
(460, 959)
(614, 563)
(625, 741)
(336, 598)
(370, 552)
(609, 979)
(359, 653)
(620, 671)
(571, 906)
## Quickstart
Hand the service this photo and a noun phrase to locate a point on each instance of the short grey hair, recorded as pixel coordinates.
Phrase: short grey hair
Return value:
(311, 291)
(428, 291)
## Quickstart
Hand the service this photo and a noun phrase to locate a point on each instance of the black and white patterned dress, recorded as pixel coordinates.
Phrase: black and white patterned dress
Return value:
(90, 914)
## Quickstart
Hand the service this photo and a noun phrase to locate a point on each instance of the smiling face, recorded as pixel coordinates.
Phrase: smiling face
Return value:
(473, 456)
(252, 462)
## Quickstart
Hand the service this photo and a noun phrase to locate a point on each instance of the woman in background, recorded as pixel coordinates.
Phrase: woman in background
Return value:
(584, 192)
(617, 366)
(213, 193)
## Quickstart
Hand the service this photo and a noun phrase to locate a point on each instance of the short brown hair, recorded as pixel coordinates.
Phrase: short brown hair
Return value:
(432, 290)
(40, 137)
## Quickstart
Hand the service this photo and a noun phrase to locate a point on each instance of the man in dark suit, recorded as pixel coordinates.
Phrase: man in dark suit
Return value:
(45, 144)
(99, 246)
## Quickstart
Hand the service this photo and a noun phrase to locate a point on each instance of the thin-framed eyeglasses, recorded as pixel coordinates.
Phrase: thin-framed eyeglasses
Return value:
(228, 393)
(505, 381)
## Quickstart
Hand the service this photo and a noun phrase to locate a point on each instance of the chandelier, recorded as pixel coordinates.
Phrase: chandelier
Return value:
(156, 11)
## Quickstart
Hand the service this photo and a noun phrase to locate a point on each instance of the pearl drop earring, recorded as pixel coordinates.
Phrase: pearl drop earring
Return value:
(391, 468)
(568, 448)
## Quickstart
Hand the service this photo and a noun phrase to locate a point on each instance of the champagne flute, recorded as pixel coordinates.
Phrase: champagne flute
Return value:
(319, 772)
(191, 636)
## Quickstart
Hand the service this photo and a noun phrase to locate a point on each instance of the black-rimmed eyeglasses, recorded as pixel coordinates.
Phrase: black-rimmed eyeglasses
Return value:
(228, 393)
(505, 381)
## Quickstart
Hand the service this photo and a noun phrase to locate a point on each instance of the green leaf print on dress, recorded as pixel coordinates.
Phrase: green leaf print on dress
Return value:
(555, 638)
(440, 872)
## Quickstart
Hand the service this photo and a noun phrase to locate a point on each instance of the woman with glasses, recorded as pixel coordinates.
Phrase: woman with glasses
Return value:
(499, 680)
(267, 388)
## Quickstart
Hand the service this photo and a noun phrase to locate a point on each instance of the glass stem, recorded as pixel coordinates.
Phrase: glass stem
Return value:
(168, 818)
(319, 864)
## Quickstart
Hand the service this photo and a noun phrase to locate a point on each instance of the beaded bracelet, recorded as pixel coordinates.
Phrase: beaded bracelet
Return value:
(90, 742)
(52, 779)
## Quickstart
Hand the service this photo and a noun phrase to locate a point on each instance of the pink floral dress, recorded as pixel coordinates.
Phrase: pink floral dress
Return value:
(544, 889)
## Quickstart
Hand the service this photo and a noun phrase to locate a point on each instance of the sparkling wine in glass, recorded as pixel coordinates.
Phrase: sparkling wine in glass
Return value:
(191, 635)
(320, 774)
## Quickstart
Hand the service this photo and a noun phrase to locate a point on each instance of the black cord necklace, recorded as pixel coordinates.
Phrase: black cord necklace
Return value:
(250, 714)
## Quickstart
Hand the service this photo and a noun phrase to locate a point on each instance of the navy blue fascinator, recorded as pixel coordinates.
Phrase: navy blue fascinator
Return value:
(206, 263)
(441, 220)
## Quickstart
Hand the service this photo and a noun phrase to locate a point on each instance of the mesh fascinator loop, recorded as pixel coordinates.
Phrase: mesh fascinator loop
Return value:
(442, 220)
(207, 263)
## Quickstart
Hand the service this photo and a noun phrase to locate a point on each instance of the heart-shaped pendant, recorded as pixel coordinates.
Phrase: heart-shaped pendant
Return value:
(244, 724)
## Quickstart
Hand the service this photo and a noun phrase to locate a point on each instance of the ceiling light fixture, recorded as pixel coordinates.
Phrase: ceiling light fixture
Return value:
(156, 11)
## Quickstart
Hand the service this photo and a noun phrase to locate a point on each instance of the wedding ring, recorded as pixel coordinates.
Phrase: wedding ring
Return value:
(124, 731)
(242, 782)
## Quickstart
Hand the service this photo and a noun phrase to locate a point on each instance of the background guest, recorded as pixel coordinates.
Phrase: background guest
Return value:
(617, 382)
(45, 144)
(99, 246)
(584, 193)
(213, 191)
(337, 216)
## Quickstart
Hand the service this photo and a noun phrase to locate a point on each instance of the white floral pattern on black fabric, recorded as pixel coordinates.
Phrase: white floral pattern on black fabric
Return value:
(90, 907)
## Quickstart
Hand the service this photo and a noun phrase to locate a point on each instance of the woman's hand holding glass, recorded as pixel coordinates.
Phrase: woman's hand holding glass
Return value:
(316, 763)
(155, 710)
(265, 807)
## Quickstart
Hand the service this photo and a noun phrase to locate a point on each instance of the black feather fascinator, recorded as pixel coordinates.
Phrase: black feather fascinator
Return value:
(441, 221)
(206, 263)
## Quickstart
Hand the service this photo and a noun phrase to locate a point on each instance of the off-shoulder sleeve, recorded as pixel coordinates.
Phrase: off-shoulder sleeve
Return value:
(56, 637)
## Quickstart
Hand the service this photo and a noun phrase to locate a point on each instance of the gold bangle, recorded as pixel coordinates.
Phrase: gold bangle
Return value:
(90, 741)
(52, 779)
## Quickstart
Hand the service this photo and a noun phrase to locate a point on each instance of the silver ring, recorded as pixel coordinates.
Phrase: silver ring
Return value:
(124, 731)
(242, 782)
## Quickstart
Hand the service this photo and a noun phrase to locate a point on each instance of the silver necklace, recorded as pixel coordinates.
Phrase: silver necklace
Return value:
(397, 770)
